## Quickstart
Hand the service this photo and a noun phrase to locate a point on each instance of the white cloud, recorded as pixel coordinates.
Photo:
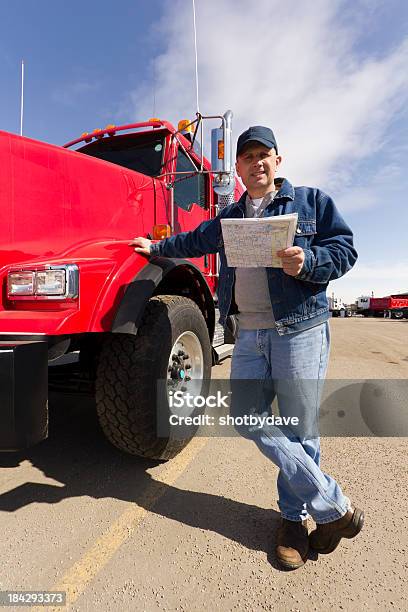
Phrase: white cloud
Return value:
(292, 65)
(370, 192)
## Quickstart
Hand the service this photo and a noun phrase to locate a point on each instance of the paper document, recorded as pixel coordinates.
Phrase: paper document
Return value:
(254, 242)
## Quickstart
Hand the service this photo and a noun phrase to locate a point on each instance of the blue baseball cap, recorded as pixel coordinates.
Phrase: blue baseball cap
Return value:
(257, 133)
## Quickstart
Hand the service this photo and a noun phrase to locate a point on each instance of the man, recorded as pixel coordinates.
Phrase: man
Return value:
(283, 335)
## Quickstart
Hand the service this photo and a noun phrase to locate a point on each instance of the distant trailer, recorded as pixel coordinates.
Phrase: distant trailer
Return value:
(394, 307)
(388, 303)
(388, 307)
(385, 306)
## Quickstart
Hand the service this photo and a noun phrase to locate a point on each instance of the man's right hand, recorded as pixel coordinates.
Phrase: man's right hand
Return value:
(142, 245)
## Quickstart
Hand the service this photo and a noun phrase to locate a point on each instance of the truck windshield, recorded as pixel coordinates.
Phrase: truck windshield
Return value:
(140, 152)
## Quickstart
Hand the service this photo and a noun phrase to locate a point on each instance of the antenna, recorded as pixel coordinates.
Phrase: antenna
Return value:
(22, 98)
(195, 50)
(154, 90)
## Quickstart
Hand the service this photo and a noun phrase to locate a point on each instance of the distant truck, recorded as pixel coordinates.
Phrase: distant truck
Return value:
(390, 306)
(338, 308)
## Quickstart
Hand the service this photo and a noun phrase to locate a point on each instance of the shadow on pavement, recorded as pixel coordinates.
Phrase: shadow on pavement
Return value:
(77, 455)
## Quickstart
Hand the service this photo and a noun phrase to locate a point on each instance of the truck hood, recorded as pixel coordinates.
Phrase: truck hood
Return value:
(53, 201)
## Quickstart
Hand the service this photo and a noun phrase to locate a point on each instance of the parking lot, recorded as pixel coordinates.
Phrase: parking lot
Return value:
(120, 533)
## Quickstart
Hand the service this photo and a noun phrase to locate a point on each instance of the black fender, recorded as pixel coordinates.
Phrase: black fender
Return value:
(165, 272)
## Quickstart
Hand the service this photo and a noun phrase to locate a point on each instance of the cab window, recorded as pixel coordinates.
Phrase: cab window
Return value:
(140, 152)
(188, 188)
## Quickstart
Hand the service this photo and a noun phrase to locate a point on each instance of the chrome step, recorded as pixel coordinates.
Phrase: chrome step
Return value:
(224, 351)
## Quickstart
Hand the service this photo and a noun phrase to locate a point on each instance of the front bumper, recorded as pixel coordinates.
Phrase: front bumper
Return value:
(23, 393)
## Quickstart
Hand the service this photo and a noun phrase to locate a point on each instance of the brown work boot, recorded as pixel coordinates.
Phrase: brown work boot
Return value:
(292, 543)
(326, 537)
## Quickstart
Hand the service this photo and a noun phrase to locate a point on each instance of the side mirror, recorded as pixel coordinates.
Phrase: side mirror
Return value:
(221, 157)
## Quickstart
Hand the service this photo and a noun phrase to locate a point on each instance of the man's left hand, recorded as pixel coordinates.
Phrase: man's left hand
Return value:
(292, 260)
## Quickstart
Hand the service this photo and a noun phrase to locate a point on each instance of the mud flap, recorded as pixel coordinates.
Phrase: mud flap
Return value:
(23, 394)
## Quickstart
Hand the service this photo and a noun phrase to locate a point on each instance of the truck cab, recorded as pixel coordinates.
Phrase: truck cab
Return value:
(73, 285)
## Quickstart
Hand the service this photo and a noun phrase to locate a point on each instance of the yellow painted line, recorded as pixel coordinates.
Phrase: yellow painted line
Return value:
(76, 579)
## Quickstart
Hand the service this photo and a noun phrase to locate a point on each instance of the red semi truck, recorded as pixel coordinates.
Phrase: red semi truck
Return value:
(392, 306)
(71, 284)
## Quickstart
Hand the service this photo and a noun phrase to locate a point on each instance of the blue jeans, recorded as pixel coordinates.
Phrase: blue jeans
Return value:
(292, 368)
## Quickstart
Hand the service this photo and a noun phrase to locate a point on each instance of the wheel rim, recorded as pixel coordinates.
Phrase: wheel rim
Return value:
(185, 374)
(185, 369)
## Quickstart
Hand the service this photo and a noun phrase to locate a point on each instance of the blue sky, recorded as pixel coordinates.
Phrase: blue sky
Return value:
(329, 76)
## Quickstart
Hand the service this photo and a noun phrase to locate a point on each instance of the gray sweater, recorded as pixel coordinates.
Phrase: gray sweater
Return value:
(251, 284)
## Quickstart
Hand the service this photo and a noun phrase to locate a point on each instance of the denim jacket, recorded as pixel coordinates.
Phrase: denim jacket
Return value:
(299, 302)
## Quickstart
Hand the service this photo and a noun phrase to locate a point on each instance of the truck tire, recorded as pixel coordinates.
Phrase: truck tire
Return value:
(397, 314)
(129, 367)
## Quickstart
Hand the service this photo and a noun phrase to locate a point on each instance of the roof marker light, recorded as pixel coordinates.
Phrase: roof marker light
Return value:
(183, 126)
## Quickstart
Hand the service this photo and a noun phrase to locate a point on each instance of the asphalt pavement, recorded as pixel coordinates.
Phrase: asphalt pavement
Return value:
(197, 533)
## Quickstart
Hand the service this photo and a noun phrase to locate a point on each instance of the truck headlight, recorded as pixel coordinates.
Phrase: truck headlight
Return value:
(51, 282)
(20, 283)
